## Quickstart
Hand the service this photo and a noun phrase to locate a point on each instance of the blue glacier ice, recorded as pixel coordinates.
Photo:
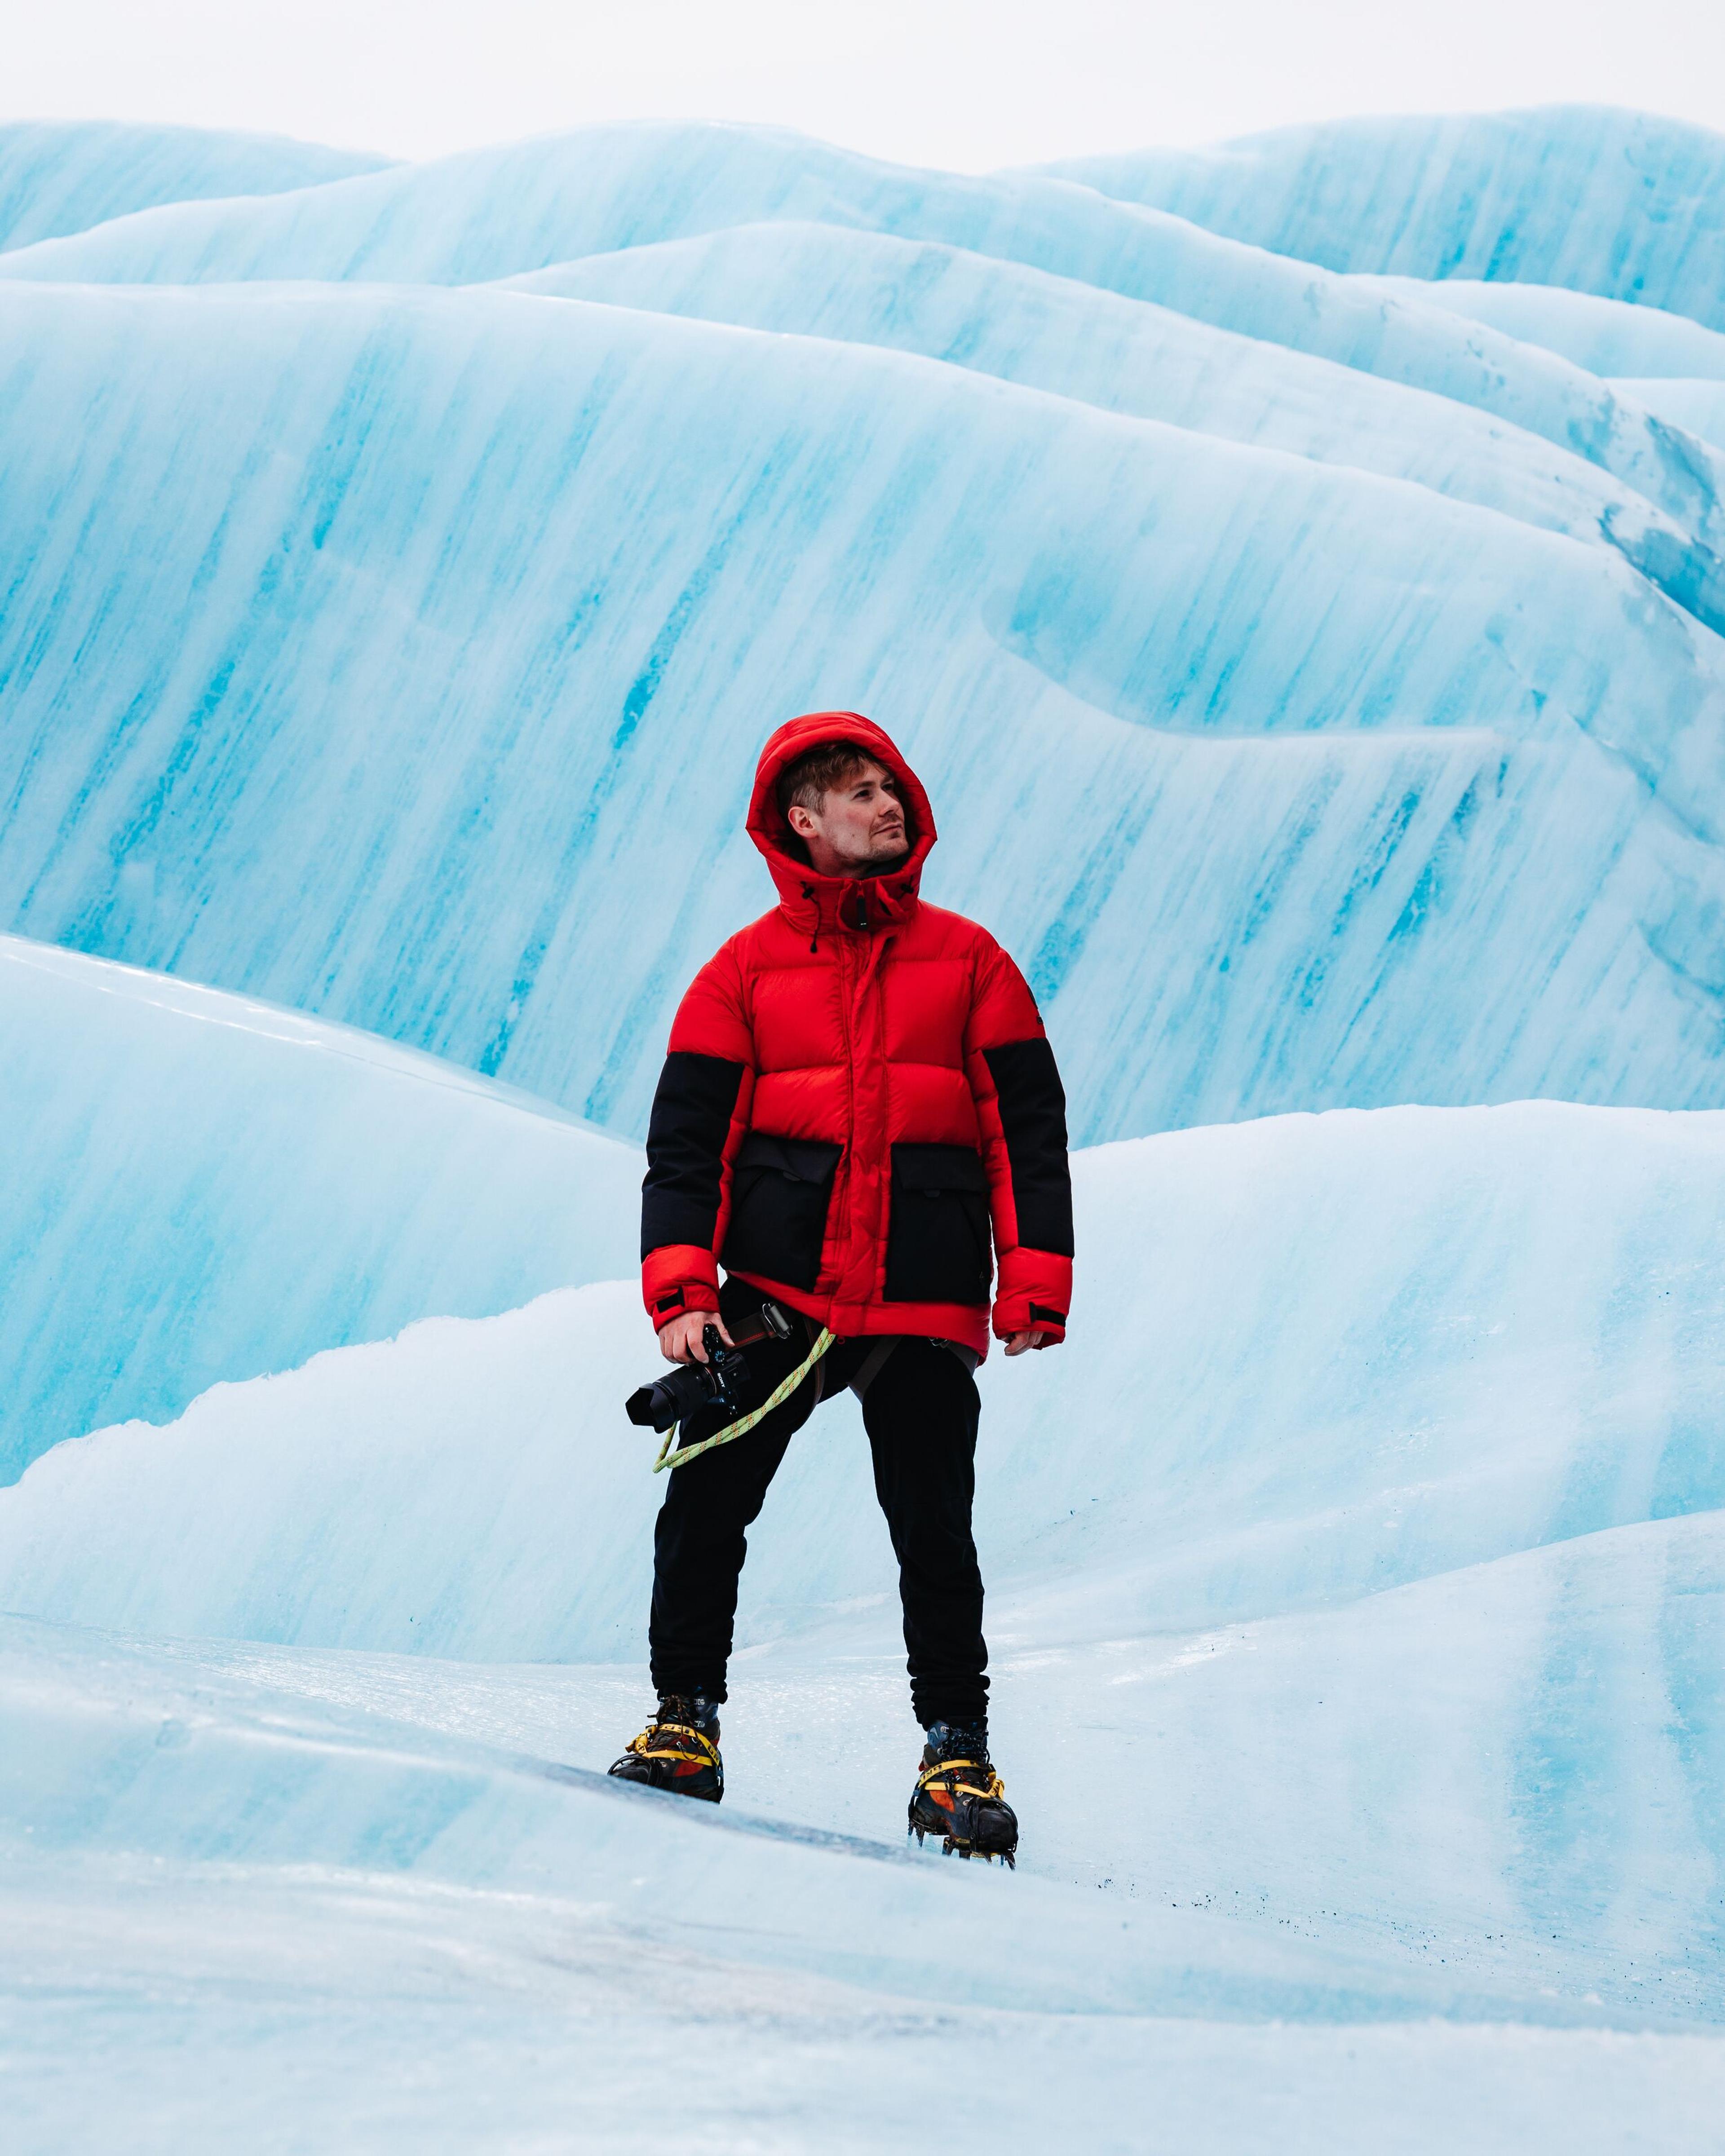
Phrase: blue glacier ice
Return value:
(1130, 356)
(489, 214)
(58, 176)
(1376, 1562)
(1375, 1349)
(1698, 406)
(1629, 205)
(1319, 676)
(200, 1187)
(1607, 337)
(355, 639)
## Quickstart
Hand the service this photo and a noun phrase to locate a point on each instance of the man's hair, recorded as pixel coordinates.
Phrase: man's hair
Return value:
(807, 783)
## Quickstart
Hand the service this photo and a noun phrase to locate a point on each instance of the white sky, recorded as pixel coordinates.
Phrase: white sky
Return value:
(966, 84)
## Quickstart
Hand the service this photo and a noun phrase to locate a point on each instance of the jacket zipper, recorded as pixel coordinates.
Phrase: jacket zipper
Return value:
(849, 1208)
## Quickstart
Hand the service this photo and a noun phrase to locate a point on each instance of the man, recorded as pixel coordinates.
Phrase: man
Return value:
(857, 1088)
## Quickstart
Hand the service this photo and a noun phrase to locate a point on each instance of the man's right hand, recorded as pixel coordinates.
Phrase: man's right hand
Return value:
(680, 1340)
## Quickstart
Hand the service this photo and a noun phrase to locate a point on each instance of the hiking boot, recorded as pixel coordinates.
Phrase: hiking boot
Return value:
(960, 1797)
(678, 1750)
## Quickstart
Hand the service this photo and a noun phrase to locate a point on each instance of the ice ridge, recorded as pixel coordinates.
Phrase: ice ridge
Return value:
(59, 176)
(352, 651)
(484, 215)
(204, 1188)
(1628, 205)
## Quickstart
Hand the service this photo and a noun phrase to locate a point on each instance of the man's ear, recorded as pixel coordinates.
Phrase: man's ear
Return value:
(800, 821)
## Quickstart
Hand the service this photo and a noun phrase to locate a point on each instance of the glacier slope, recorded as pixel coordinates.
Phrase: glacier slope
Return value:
(1607, 337)
(492, 214)
(114, 1747)
(1367, 1348)
(202, 1187)
(240, 2007)
(439, 1944)
(1696, 406)
(1129, 355)
(1629, 205)
(1502, 1777)
(61, 177)
(354, 638)
(1379, 1557)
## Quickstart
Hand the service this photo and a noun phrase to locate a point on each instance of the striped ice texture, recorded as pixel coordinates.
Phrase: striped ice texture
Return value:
(1609, 337)
(201, 1187)
(59, 176)
(1698, 406)
(1320, 682)
(1624, 204)
(1321, 691)
(1127, 355)
(1371, 1560)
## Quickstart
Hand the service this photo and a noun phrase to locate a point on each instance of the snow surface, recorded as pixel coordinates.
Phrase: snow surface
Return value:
(1369, 1559)
(1629, 205)
(60, 176)
(203, 1187)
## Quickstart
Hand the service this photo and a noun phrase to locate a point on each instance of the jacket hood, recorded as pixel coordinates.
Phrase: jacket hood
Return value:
(813, 901)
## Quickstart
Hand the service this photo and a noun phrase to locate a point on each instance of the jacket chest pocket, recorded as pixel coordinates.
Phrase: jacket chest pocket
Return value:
(937, 1241)
(780, 1189)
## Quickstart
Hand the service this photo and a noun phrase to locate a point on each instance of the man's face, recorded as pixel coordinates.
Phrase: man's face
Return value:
(861, 824)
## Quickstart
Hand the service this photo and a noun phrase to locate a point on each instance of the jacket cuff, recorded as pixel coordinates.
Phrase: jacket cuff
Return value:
(676, 1277)
(1035, 1288)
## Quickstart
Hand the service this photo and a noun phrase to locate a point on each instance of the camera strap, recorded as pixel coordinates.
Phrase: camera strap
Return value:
(669, 1456)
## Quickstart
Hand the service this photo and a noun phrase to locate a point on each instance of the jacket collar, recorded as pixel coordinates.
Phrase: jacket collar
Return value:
(820, 905)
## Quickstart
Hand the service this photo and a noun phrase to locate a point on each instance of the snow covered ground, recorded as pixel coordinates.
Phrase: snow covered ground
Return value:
(1358, 1607)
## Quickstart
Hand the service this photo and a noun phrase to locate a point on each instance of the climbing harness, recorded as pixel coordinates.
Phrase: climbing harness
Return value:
(670, 1456)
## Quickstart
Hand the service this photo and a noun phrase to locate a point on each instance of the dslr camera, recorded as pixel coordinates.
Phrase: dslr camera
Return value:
(719, 1382)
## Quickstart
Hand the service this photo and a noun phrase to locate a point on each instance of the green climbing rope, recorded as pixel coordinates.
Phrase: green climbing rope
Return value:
(671, 1457)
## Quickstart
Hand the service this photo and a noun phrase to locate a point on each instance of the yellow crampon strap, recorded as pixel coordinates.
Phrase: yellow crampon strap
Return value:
(996, 1787)
(707, 1756)
(669, 1456)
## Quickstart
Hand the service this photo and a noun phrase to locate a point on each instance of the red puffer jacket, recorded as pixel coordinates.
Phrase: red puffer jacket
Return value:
(857, 1086)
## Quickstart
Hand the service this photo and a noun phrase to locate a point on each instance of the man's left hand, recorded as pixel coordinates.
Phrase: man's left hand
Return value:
(1035, 1337)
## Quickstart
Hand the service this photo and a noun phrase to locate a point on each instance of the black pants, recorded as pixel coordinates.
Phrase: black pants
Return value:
(921, 1411)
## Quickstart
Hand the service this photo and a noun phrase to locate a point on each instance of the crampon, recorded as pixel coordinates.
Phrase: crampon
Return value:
(959, 1796)
(678, 1751)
